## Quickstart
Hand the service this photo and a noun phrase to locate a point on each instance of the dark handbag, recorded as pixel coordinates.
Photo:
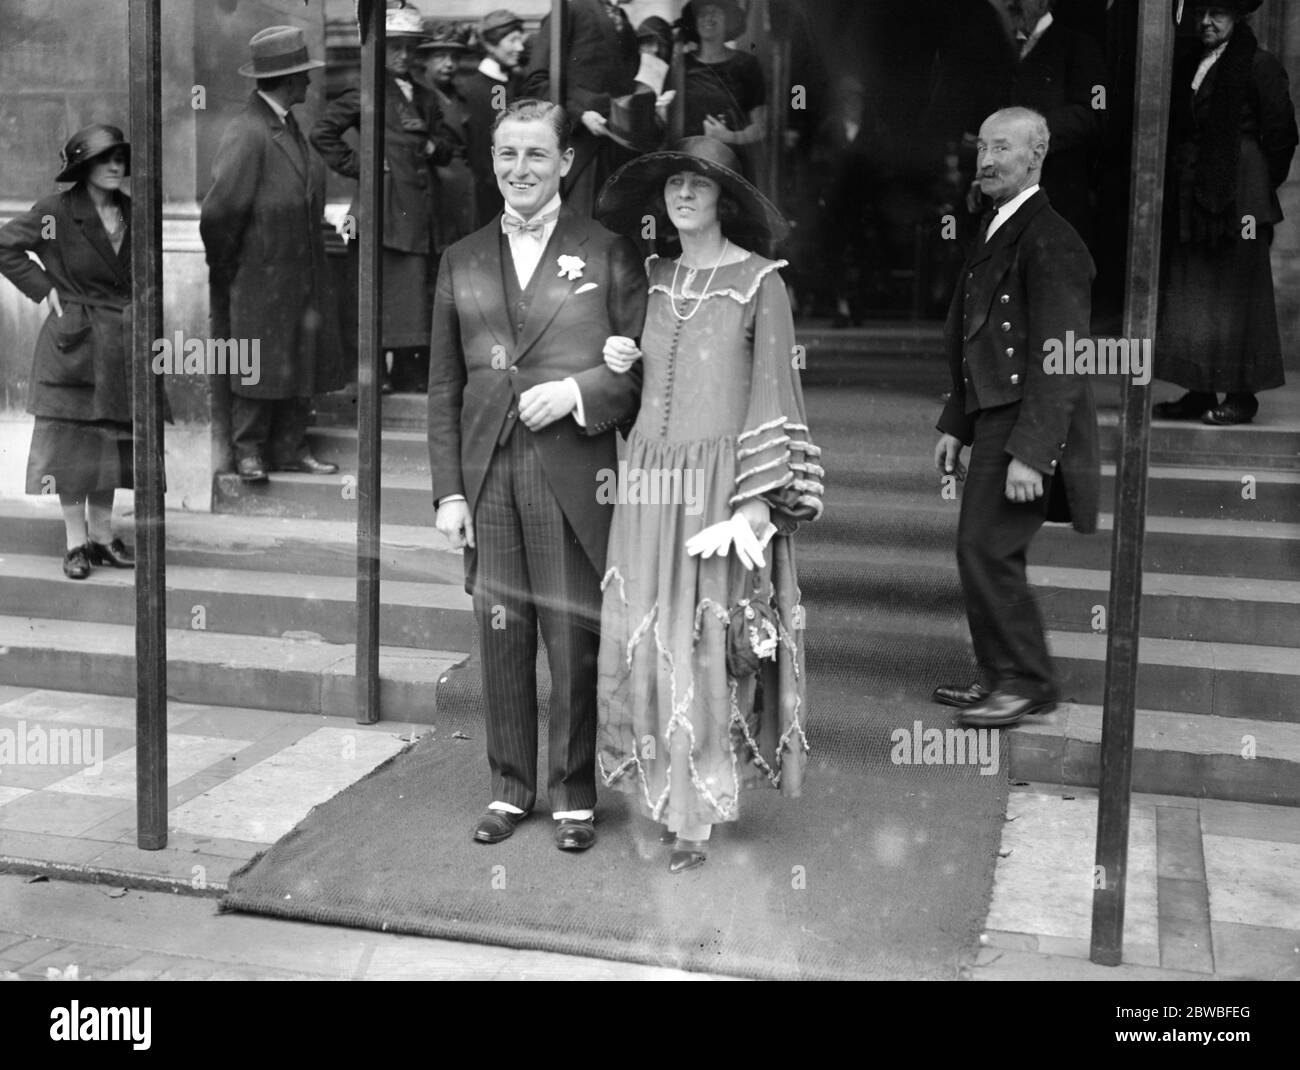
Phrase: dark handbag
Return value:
(752, 634)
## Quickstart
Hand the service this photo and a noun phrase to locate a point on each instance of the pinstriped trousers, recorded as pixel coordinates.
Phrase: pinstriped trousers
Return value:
(532, 569)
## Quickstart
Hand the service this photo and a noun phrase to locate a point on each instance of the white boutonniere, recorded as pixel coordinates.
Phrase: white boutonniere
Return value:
(571, 267)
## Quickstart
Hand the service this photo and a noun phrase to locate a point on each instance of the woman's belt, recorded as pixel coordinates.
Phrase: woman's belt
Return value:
(93, 302)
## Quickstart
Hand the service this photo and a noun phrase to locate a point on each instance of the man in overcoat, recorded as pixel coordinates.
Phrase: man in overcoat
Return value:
(522, 418)
(1024, 292)
(601, 60)
(261, 226)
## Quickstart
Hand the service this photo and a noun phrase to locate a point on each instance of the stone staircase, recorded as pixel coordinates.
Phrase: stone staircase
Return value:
(261, 613)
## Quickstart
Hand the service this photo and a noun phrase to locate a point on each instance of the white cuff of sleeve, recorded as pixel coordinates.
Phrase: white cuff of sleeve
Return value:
(578, 413)
(450, 498)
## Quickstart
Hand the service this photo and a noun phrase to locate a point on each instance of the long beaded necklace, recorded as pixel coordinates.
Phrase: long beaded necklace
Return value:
(690, 274)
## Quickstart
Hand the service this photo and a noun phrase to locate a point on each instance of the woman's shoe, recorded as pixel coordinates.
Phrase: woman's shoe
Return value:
(667, 836)
(1236, 409)
(688, 855)
(76, 565)
(1190, 406)
(114, 553)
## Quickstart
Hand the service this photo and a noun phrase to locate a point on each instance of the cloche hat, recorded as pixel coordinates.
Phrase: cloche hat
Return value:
(85, 145)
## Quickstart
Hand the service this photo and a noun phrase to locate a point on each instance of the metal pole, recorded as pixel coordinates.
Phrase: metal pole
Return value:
(1151, 128)
(144, 31)
(556, 51)
(370, 354)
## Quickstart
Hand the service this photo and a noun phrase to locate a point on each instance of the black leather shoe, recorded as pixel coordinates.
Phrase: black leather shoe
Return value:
(76, 564)
(1232, 411)
(1191, 406)
(251, 470)
(496, 825)
(310, 465)
(688, 855)
(114, 553)
(956, 695)
(573, 834)
(1001, 710)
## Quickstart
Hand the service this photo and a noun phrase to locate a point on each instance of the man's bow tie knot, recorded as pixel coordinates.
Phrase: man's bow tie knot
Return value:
(512, 224)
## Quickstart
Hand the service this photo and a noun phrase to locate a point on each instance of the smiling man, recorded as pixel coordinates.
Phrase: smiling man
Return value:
(522, 412)
(1033, 435)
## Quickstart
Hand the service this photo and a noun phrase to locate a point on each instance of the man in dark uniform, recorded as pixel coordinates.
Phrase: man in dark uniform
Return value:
(487, 90)
(1024, 291)
(601, 60)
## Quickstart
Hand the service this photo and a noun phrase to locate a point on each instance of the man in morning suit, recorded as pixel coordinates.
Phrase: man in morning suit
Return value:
(1033, 434)
(522, 412)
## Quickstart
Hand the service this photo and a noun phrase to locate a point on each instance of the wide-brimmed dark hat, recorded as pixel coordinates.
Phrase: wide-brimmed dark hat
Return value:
(734, 13)
(87, 144)
(277, 51)
(632, 121)
(1238, 7)
(446, 37)
(634, 188)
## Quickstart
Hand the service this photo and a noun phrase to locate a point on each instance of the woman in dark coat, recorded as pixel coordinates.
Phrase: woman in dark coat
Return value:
(81, 383)
(725, 95)
(1232, 136)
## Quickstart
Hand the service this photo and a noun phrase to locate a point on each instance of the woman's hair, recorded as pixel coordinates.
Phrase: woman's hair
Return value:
(529, 110)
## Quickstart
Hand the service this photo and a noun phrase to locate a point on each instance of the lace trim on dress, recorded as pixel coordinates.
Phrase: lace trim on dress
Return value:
(613, 573)
(737, 498)
(729, 291)
(770, 425)
(749, 451)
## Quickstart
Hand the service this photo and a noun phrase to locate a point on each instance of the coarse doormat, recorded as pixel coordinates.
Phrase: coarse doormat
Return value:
(882, 869)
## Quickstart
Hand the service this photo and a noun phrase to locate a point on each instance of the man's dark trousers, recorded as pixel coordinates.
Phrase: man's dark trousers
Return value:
(993, 536)
(273, 429)
(530, 567)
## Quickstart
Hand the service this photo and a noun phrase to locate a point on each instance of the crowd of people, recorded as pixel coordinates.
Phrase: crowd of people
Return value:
(517, 295)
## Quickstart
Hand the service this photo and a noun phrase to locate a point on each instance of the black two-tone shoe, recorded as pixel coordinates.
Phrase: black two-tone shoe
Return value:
(115, 554)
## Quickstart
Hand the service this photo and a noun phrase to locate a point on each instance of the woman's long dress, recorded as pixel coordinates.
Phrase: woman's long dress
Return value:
(721, 421)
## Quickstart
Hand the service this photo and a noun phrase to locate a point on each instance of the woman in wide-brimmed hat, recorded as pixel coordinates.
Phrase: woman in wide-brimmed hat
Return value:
(701, 642)
(81, 382)
(1232, 135)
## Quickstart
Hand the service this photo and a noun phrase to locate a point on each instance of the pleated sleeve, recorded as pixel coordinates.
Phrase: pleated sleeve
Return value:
(776, 459)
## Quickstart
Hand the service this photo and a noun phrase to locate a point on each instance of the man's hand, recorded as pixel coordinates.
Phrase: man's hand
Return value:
(620, 353)
(947, 457)
(596, 123)
(56, 306)
(454, 521)
(1024, 484)
(543, 404)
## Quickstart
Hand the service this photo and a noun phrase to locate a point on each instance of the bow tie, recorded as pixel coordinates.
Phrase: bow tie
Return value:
(511, 224)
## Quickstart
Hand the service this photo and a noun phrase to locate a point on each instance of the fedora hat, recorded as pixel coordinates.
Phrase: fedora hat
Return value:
(87, 144)
(276, 51)
(732, 11)
(631, 189)
(404, 22)
(632, 121)
(446, 37)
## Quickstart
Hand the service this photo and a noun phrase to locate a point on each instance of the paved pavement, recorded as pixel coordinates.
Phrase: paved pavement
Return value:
(1210, 889)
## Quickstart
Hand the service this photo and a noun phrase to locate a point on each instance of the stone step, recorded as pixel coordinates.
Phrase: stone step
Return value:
(414, 553)
(1210, 609)
(422, 616)
(404, 499)
(1229, 493)
(1234, 680)
(405, 451)
(211, 668)
(1244, 447)
(1237, 759)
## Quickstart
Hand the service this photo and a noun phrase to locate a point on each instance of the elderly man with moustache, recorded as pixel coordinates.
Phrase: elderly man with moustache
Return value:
(522, 412)
(1033, 434)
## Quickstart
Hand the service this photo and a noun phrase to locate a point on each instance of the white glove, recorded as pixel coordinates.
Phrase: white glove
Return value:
(718, 539)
